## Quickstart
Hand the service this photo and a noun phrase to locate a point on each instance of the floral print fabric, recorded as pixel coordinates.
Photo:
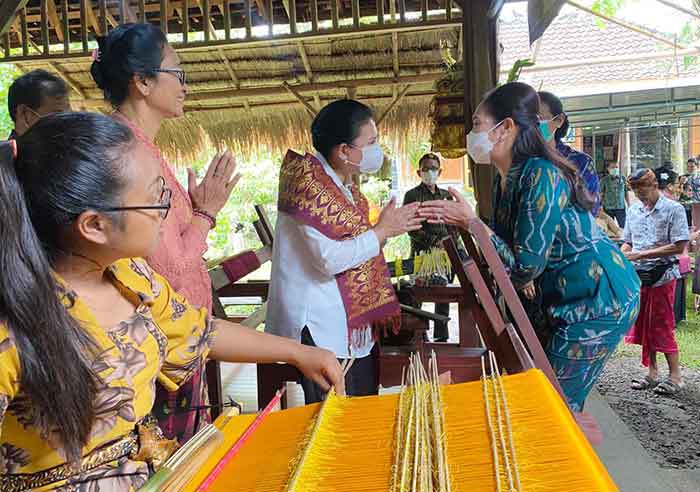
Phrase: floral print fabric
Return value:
(165, 340)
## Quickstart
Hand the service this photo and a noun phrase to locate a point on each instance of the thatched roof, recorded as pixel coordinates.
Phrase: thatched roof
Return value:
(246, 93)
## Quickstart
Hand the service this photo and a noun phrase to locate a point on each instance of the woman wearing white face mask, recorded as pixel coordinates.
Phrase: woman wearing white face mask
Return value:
(544, 233)
(330, 285)
(554, 125)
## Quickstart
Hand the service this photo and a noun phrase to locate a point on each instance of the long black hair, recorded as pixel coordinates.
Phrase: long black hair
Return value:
(557, 109)
(337, 123)
(66, 164)
(128, 50)
(520, 102)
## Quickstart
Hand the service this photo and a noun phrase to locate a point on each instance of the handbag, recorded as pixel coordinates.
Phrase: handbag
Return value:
(652, 275)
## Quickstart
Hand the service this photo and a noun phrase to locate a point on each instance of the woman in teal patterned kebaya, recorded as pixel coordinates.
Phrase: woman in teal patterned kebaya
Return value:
(548, 240)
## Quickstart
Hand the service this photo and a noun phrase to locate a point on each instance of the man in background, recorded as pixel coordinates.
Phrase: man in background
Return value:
(34, 95)
(430, 235)
(613, 190)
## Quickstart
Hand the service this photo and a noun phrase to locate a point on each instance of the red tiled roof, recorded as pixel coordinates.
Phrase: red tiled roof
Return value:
(574, 36)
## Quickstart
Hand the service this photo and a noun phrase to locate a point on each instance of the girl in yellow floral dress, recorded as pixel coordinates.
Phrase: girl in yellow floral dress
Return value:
(87, 327)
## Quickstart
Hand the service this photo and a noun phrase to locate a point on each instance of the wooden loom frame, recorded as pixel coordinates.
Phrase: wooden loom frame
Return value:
(482, 276)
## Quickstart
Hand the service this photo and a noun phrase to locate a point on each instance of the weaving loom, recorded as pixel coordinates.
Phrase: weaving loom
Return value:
(511, 433)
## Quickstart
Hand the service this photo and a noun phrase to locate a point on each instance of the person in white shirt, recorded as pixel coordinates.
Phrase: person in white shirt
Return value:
(330, 285)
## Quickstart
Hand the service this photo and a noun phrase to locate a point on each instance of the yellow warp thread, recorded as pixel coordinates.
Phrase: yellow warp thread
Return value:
(433, 262)
(354, 449)
(398, 267)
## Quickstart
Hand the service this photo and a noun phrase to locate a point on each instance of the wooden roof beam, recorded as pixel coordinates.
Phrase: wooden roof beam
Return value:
(8, 9)
(301, 99)
(71, 83)
(53, 19)
(395, 57)
(262, 11)
(393, 104)
(92, 19)
(317, 86)
(305, 61)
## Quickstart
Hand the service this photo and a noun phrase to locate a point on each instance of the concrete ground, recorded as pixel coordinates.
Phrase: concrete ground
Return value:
(632, 469)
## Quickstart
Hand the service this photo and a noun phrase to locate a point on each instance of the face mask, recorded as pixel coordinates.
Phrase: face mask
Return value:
(429, 177)
(614, 172)
(372, 159)
(479, 146)
(544, 129)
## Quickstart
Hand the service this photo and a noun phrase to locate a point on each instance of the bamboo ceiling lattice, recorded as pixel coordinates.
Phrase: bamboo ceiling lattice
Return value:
(256, 69)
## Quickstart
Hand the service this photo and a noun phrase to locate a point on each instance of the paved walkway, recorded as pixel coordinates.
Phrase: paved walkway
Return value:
(632, 469)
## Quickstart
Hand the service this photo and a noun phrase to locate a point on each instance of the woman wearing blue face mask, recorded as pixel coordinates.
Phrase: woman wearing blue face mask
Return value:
(554, 125)
(544, 233)
(330, 285)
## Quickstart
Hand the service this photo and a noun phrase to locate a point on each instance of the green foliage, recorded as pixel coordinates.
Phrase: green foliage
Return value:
(606, 7)
(376, 190)
(514, 73)
(8, 73)
(416, 150)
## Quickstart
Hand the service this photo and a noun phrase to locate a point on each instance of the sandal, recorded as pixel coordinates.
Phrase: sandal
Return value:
(642, 384)
(668, 388)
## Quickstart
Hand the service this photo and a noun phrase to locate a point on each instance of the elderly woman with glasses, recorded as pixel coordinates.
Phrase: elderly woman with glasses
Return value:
(140, 75)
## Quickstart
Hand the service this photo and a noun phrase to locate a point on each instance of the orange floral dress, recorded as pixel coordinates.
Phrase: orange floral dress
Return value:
(165, 340)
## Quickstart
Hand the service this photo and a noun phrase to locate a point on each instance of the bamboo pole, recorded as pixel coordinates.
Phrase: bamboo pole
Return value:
(103, 17)
(334, 13)
(248, 20)
(314, 15)
(142, 11)
(393, 104)
(66, 32)
(206, 11)
(25, 34)
(122, 11)
(380, 12)
(356, 13)
(271, 18)
(185, 15)
(305, 61)
(292, 16)
(164, 16)
(424, 9)
(53, 18)
(227, 19)
(299, 98)
(44, 26)
(8, 9)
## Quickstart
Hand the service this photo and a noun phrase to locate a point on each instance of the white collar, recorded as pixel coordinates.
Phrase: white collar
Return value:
(331, 172)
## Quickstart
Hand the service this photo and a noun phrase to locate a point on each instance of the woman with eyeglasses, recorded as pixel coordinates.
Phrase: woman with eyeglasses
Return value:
(141, 76)
(87, 326)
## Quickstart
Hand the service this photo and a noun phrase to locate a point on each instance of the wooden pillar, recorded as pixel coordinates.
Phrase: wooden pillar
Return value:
(480, 75)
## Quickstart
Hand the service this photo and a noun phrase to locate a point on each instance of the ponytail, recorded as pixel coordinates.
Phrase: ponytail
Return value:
(55, 353)
(521, 103)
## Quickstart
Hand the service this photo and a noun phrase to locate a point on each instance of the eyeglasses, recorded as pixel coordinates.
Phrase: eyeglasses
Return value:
(163, 203)
(177, 72)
